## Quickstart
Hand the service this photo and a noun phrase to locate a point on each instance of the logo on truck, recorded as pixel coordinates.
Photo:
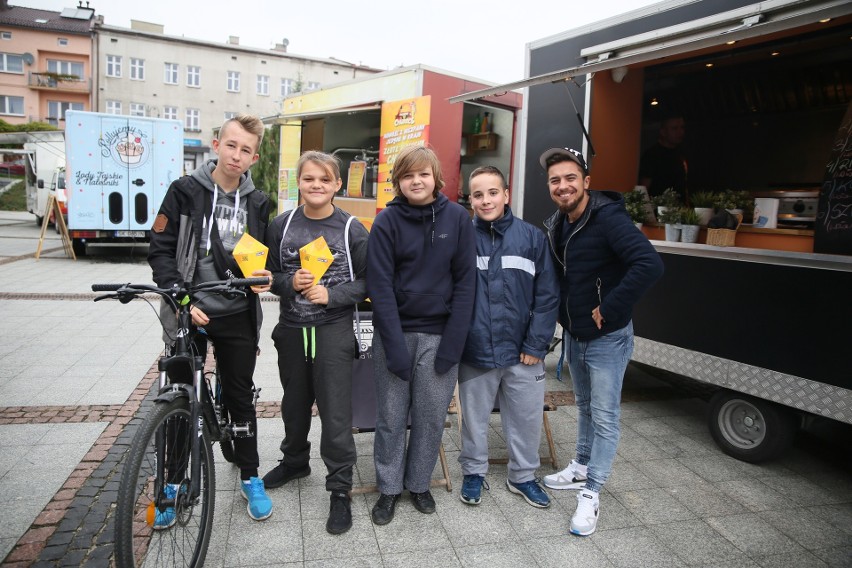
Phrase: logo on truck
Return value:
(127, 145)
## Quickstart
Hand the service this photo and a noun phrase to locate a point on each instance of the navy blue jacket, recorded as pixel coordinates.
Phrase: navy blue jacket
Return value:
(421, 263)
(606, 262)
(517, 294)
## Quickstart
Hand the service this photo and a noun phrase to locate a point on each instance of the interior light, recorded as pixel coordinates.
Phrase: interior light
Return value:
(654, 102)
(774, 53)
(708, 65)
(825, 20)
(732, 42)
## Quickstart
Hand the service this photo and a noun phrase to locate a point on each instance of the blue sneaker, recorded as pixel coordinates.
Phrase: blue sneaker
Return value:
(166, 519)
(471, 490)
(531, 491)
(259, 505)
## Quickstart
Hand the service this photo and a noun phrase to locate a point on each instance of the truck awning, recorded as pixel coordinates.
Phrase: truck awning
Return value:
(754, 20)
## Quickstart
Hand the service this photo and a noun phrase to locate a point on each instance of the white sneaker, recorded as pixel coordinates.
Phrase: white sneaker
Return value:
(572, 477)
(585, 518)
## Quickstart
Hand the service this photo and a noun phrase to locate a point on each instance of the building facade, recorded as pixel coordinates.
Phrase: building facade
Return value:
(51, 62)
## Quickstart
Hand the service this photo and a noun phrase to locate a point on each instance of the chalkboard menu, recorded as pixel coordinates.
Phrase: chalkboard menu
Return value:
(833, 229)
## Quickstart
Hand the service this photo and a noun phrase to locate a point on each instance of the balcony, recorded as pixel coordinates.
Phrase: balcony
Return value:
(59, 82)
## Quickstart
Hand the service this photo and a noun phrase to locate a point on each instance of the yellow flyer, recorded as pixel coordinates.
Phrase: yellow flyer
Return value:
(316, 257)
(356, 178)
(250, 255)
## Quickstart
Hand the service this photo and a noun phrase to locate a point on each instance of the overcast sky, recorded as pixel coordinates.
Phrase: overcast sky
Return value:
(485, 40)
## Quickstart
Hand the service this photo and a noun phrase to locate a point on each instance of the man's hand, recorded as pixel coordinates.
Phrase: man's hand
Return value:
(257, 274)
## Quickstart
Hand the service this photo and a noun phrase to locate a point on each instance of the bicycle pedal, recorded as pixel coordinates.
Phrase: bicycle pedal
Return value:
(242, 430)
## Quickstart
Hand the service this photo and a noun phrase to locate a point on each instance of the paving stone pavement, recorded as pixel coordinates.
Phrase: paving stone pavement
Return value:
(76, 379)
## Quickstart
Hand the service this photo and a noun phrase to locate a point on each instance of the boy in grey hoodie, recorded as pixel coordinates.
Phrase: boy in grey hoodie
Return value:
(202, 217)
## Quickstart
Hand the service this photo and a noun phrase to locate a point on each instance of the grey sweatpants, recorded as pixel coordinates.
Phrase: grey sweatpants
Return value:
(520, 393)
(427, 396)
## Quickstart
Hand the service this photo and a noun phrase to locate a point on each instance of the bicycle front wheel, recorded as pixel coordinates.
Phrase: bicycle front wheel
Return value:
(157, 523)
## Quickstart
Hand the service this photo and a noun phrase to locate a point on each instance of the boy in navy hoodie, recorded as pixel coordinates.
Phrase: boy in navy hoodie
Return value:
(421, 262)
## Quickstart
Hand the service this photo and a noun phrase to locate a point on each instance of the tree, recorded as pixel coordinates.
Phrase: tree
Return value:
(265, 171)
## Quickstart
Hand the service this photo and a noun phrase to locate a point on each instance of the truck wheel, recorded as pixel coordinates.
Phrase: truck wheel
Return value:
(750, 429)
(79, 247)
(39, 221)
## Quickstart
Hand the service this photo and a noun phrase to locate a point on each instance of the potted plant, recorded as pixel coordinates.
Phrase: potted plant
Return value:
(670, 217)
(690, 222)
(634, 202)
(667, 199)
(702, 202)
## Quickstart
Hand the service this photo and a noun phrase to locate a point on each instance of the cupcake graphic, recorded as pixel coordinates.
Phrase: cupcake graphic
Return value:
(130, 149)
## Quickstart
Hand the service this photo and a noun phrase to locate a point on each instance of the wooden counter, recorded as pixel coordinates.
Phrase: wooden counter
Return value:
(794, 240)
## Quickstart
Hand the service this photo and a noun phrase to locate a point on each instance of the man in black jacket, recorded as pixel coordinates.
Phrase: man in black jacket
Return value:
(605, 266)
(202, 218)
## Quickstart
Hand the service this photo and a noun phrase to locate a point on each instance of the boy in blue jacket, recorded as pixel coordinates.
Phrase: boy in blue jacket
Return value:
(514, 316)
(420, 280)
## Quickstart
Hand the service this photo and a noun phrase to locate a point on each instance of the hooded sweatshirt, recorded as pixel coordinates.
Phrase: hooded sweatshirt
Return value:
(421, 277)
(229, 212)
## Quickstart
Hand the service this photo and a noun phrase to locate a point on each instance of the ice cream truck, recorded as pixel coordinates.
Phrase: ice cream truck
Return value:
(118, 171)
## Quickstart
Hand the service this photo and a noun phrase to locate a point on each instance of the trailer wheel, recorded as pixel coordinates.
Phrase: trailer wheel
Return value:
(750, 429)
(79, 247)
(39, 221)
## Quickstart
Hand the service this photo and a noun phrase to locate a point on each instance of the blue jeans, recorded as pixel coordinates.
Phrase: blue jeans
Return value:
(597, 370)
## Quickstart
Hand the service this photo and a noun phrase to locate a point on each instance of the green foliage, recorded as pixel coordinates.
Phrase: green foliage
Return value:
(730, 199)
(671, 216)
(702, 199)
(14, 198)
(689, 216)
(669, 198)
(28, 127)
(634, 202)
(264, 173)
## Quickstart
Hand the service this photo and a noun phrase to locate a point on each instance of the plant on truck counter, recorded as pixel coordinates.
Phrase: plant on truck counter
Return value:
(689, 216)
(702, 199)
(634, 202)
(668, 198)
(671, 216)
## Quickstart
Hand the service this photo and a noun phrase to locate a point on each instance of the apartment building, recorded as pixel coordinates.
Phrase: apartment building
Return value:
(51, 62)
(141, 71)
(45, 63)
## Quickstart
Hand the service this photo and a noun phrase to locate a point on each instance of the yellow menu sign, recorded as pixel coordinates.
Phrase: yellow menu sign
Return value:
(404, 123)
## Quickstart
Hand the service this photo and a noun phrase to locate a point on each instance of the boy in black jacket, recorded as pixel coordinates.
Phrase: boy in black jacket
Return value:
(202, 217)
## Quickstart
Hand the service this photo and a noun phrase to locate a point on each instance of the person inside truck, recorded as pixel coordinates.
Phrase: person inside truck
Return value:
(606, 265)
(663, 165)
(202, 218)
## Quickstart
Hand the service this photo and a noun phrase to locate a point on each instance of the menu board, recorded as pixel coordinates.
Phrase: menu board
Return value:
(833, 229)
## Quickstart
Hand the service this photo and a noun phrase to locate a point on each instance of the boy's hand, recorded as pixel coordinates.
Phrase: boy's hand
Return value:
(529, 359)
(199, 318)
(596, 315)
(302, 280)
(259, 289)
(316, 294)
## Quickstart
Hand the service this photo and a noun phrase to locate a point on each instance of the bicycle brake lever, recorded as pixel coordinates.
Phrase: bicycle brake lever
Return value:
(104, 297)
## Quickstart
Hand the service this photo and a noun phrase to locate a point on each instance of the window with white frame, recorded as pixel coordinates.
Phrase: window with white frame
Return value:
(11, 105)
(137, 109)
(193, 76)
(65, 67)
(170, 112)
(137, 69)
(56, 110)
(234, 81)
(229, 115)
(113, 107)
(5, 35)
(288, 86)
(193, 119)
(170, 76)
(113, 66)
(313, 86)
(263, 85)
(11, 63)
(62, 42)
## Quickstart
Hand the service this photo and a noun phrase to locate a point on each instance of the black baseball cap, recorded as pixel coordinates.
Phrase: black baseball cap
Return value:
(568, 153)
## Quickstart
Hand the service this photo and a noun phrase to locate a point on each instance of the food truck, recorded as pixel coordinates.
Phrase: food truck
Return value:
(765, 89)
(366, 122)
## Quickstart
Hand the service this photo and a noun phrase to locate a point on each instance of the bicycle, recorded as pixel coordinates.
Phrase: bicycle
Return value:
(166, 496)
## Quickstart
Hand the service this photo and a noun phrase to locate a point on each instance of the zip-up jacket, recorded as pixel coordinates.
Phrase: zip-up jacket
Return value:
(517, 294)
(421, 264)
(606, 262)
(177, 235)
